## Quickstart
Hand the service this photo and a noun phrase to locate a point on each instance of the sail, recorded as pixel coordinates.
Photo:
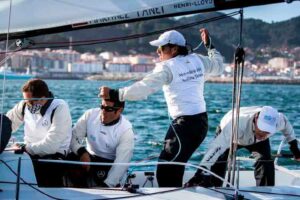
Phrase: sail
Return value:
(25, 18)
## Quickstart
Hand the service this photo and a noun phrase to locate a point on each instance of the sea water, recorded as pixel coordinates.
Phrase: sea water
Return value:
(150, 118)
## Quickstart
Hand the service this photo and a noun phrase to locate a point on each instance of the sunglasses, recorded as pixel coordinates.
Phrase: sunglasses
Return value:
(160, 49)
(109, 108)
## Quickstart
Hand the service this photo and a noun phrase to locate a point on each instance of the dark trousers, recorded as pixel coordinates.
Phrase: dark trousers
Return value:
(264, 172)
(48, 174)
(77, 176)
(190, 131)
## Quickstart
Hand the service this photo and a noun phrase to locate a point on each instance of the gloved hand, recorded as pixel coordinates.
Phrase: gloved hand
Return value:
(19, 148)
(294, 149)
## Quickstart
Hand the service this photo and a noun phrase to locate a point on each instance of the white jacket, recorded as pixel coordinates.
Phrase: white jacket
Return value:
(115, 142)
(56, 137)
(246, 135)
(162, 76)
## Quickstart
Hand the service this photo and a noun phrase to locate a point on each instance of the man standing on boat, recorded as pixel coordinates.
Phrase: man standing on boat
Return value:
(256, 125)
(47, 130)
(109, 138)
(181, 75)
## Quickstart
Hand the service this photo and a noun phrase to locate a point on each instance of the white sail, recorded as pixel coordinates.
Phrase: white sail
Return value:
(28, 15)
(23, 18)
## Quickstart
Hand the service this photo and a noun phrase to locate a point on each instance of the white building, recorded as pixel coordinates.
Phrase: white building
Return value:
(279, 63)
(82, 67)
(118, 67)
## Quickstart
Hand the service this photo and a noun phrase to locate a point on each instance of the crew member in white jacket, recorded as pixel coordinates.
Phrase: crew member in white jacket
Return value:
(181, 75)
(109, 138)
(256, 125)
(47, 130)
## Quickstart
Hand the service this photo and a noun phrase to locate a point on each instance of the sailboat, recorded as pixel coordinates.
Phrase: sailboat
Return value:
(17, 178)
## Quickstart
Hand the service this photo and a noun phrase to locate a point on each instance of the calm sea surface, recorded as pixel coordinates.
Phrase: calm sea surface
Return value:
(150, 118)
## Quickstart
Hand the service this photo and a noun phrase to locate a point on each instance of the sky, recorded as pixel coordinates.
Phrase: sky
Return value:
(273, 12)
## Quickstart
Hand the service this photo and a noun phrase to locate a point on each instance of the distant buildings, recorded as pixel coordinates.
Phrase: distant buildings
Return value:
(67, 62)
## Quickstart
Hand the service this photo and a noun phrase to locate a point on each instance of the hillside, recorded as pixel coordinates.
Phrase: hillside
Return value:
(225, 34)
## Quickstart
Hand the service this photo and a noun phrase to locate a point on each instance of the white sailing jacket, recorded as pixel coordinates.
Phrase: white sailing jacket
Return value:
(182, 80)
(184, 94)
(246, 133)
(42, 135)
(115, 142)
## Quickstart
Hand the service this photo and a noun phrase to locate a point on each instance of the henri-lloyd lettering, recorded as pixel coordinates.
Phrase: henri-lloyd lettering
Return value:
(151, 12)
(194, 3)
(213, 154)
(110, 19)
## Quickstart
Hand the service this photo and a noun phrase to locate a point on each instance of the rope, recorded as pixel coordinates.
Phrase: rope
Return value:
(135, 164)
(109, 164)
(139, 193)
(237, 89)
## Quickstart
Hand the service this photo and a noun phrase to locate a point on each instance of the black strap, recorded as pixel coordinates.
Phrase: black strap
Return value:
(23, 109)
(52, 114)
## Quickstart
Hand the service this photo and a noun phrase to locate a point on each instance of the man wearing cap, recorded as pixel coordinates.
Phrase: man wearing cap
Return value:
(256, 125)
(181, 75)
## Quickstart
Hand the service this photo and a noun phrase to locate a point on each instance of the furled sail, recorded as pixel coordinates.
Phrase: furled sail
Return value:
(25, 18)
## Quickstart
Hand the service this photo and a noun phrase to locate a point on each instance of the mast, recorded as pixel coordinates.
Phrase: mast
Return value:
(239, 58)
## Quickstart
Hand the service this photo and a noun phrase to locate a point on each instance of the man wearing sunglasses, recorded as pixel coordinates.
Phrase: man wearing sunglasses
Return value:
(47, 130)
(109, 138)
(256, 125)
(181, 75)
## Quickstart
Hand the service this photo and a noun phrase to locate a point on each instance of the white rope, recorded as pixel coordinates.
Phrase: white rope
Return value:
(137, 164)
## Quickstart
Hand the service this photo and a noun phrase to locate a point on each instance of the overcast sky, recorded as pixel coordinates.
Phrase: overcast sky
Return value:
(273, 12)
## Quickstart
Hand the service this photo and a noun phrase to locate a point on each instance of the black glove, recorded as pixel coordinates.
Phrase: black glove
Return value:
(200, 179)
(21, 149)
(209, 45)
(294, 148)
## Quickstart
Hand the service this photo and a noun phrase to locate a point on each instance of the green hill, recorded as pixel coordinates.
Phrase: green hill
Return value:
(225, 34)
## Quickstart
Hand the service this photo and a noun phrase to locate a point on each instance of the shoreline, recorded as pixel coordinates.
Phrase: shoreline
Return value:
(247, 80)
(110, 76)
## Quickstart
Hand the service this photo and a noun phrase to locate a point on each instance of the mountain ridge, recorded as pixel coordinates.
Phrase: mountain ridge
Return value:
(224, 34)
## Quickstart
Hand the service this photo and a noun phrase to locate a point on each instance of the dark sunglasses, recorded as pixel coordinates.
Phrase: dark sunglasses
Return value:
(109, 108)
(160, 49)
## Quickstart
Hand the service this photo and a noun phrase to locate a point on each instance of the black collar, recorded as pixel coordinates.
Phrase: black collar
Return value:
(112, 122)
(45, 107)
(47, 104)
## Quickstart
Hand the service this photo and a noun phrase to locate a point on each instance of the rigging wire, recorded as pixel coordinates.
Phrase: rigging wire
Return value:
(236, 99)
(116, 39)
(140, 193)
(106, 164)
